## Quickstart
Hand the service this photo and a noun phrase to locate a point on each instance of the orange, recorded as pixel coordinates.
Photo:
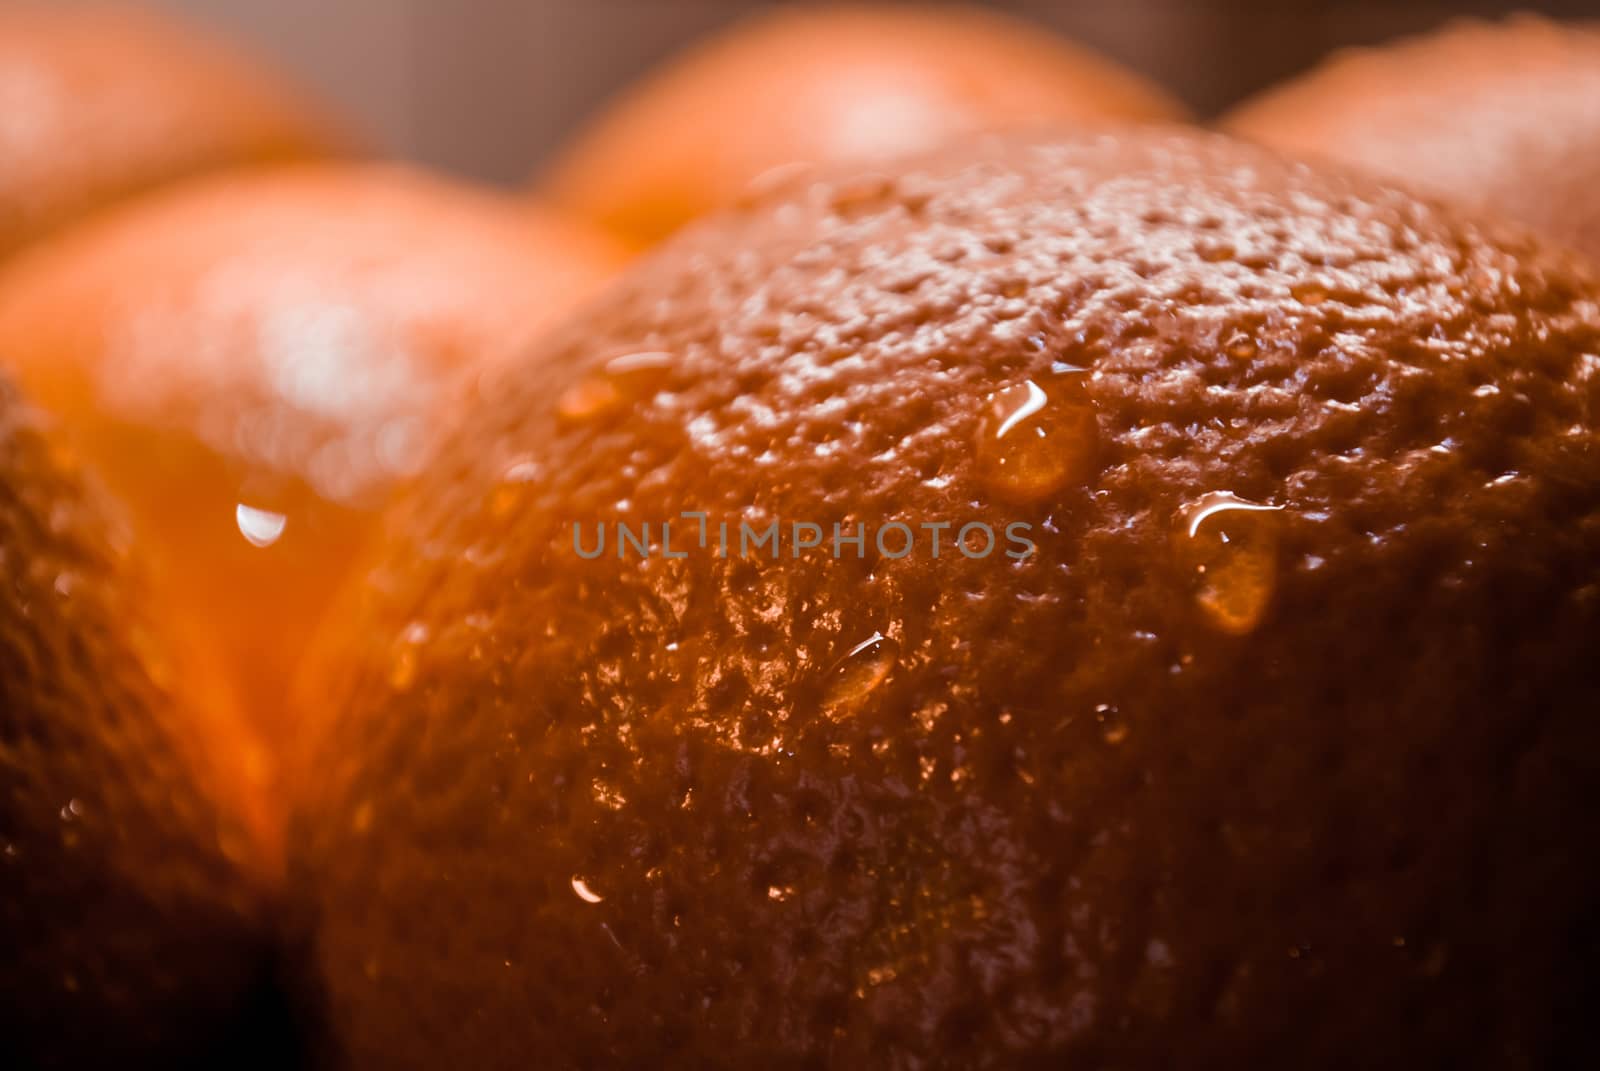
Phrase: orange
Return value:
(1503, 118)
(1268, 742)
(253, 362)
(102, 101)
(819, 84)
(130, 847)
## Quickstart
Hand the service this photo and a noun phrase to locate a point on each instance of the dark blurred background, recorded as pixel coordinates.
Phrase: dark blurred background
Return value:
(487, 88)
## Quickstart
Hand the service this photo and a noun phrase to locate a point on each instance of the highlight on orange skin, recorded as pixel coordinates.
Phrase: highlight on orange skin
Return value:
(253, 363)
(802, 85)
(102, 101)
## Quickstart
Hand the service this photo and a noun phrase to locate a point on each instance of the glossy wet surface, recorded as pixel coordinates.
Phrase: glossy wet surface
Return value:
(1277, 751)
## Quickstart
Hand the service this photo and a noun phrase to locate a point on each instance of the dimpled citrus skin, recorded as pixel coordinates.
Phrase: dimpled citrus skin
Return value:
(285, 341)
(127, 907)
(795, 86)
(1502, 118)
(102, 101)
(635, 812)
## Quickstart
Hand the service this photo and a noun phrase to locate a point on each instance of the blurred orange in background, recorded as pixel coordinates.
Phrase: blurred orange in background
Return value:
(1503, 118)
(824, 84)
(253, 362)
(98, 102)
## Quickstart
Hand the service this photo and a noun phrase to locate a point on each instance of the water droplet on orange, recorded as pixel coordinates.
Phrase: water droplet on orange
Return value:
(588, 398)
(514, 482)
(1230, 545)
(260, 527)
(640, 371)
(861, 194)
(1031, 442)
(1310, 294)
(403, 670)
(586, 894)
(621, 381)
(1112, 729)
(859, 673)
